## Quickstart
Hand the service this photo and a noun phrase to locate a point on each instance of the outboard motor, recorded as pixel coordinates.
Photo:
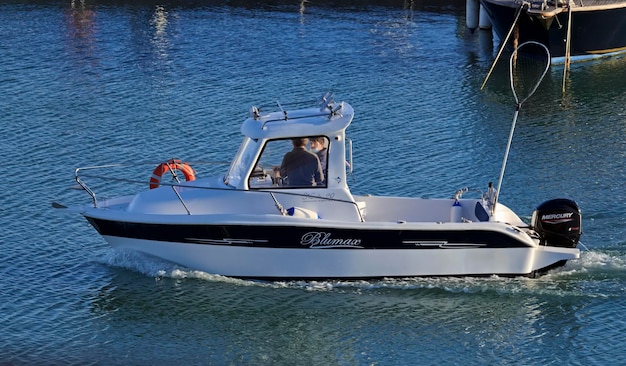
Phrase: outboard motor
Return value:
(558, 223)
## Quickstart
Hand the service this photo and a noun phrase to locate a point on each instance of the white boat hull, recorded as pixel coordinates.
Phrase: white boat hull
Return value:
(398, 241)
(293, 263)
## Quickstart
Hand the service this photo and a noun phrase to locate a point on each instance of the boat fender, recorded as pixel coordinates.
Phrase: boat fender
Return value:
(302, 212)
(472, 14)
(171, 165)
(455, 212)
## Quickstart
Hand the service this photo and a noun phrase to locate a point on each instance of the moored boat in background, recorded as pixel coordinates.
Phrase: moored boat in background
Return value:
(572, 30)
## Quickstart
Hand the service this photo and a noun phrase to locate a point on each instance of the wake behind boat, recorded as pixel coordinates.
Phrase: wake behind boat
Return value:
(282, 211)
(573, 30)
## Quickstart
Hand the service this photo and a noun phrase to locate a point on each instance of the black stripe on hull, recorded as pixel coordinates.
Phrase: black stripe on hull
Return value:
(299, 237)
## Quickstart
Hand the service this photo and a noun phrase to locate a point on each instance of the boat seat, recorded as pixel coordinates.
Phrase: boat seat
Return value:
(480, 212)
(302, 212)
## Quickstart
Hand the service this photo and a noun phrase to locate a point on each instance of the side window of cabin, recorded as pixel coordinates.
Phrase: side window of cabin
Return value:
(291, 163)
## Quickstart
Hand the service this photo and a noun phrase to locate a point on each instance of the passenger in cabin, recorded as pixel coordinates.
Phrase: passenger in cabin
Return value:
(300, 167)
(318, 147)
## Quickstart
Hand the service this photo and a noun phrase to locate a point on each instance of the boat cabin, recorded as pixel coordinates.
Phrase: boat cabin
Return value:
(270, 158)
(275, 172)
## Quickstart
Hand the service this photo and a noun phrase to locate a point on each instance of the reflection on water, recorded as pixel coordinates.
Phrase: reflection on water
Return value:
(159, 21)
(80, 34)
(152, 39)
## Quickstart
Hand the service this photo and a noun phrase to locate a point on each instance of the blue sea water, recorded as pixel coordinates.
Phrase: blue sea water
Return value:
(84, 83)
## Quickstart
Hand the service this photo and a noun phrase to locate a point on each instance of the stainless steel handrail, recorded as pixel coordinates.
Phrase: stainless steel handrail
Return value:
(84, 185)
(91, 192)
(189, 185)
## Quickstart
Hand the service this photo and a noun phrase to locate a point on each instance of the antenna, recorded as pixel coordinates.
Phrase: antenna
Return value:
(529, 64)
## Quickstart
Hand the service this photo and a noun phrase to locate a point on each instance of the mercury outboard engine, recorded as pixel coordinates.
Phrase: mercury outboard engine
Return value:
(558, 223)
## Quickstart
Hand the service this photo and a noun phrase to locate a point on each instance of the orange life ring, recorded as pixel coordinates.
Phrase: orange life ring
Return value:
(172, 164)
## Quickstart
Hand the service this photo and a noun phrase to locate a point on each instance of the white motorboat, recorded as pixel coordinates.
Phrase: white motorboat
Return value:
(252, 221)
(248, 223)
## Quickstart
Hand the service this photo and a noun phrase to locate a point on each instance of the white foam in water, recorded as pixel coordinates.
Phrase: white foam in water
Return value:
(589, 262)
(135, 261)
(607, 262)
(158, 268)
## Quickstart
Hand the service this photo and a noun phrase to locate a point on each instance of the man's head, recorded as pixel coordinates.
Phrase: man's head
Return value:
(318, 142)
(300, 141)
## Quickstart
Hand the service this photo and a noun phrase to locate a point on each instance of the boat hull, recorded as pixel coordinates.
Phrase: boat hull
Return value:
(356, 251)
(598, 31)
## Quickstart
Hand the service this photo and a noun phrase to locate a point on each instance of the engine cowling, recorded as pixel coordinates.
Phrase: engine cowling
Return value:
(558, 223)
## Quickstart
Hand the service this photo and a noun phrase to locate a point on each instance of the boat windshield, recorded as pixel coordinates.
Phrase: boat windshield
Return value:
(243, 159)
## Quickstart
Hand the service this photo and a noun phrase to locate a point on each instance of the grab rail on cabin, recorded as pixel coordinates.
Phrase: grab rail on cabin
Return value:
(323, 101)
(328, 107)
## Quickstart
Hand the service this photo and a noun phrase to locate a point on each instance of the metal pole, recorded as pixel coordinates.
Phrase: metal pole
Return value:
(568, 44)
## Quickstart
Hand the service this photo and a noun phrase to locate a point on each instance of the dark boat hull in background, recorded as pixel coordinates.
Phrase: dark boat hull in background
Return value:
(598, 29)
